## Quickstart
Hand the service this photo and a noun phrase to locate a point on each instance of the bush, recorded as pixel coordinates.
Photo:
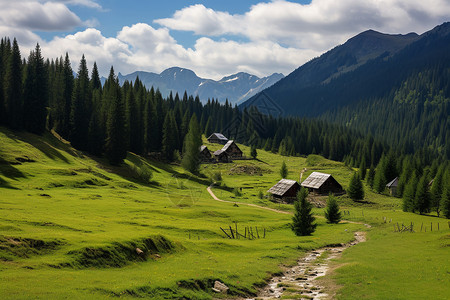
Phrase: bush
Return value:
(217, 176)
(261, 194)
(237, 192)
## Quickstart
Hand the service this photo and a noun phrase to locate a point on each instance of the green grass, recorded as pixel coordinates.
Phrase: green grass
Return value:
(70, 225)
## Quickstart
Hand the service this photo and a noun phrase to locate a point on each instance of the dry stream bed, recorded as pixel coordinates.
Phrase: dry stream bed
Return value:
(298, 282)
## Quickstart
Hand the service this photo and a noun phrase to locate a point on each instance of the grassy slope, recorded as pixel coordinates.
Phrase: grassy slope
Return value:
(76, 203)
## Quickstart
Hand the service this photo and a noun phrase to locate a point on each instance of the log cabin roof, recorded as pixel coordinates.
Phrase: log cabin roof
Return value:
(315, 180)
(282, 187)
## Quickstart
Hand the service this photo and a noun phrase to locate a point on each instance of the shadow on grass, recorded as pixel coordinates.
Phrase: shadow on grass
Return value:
(5, 184)
(46, 143)
(9, 171)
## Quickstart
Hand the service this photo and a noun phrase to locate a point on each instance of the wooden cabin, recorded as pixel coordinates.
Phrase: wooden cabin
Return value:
(205, 154)
(217, 138)
(221, 156)
(392, 186)
(232, 150)
(323, 184)
(285, 190)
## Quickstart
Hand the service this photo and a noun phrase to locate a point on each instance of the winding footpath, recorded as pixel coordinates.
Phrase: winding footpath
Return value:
(299, 280)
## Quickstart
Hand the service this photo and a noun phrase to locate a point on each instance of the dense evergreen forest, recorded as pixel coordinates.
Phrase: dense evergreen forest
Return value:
(39, 94)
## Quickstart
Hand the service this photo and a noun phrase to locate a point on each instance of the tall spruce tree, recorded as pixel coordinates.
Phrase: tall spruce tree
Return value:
(332, 213)
(284, 170)
(355, 189)
(380, 181)
(35, 93)
(437, 189)
(115, 147)
(13, 88)
(68, 83)
(371, 176)
(170, 134)
(445, 200)
(192, 143)
(81, 108)
(409, 194)
(303, 219)
(422, 197)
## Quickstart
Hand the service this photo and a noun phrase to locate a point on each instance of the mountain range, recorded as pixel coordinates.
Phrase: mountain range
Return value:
(236, 88)
(394, 86)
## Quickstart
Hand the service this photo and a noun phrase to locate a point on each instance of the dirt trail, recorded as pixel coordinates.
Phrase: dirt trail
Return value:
(300, 279)
(248, 204)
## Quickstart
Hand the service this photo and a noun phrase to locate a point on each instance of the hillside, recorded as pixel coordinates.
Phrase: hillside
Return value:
(70, 226)
(236, 88)
(408, 76)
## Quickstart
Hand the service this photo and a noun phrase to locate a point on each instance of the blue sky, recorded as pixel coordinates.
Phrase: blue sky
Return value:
(213, 38)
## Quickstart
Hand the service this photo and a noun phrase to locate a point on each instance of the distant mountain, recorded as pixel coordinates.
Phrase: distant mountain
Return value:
(395, 86)
(236, 88)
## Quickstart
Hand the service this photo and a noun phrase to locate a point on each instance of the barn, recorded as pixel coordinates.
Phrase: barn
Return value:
(217, 138)
(285, 190)
(392, 186)
(205, 154)
(232, 149)
(221, 156)
(321, 183)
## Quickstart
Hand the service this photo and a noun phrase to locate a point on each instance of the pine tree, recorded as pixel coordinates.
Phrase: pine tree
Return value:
(409, 194)
(422, 197)
(355, 189)
(436, 189)
(445, 201)
(132, 114)
(13, 88)
(332, 213)
(170, 134)
(192, 143)
(35, 93)
(81, 108)
(371, 176)
(68, 83)
(362, 169)
(379, 182)
(284, 170)
(303, 219)
(116, 149)
(96, 83)
(150, 126)
(253, 152)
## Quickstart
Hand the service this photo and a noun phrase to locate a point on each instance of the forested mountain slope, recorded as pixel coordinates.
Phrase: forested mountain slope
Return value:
(403, 97)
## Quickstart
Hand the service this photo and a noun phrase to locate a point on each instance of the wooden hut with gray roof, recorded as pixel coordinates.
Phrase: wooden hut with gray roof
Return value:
(217, 138)
(321, 183)
(285, 190)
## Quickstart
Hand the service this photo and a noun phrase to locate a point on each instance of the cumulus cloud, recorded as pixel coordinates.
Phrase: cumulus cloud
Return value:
(318, 25)
(276, 36)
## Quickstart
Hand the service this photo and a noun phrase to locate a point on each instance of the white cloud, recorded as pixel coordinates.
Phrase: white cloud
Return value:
(279, 36)
(318, 25)
(32, 15)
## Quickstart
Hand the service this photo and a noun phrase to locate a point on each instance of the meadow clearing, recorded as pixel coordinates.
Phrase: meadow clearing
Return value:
(70, 225)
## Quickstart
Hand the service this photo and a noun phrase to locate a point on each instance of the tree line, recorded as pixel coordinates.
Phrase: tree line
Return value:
(38, 94)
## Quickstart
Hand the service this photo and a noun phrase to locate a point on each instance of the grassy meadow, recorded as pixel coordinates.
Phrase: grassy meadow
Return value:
(70, 225)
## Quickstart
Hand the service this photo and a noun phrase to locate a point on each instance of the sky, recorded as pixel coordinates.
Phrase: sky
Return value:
(213, 38)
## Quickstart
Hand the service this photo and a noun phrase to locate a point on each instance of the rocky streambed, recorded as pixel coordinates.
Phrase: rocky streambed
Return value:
(299, 282)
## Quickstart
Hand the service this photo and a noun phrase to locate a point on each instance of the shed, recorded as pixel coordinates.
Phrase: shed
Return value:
(321, 183)
(221, 156)
(205, 154)
(285, 190)
(217, 138)
(232, 149)
(392, 186)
